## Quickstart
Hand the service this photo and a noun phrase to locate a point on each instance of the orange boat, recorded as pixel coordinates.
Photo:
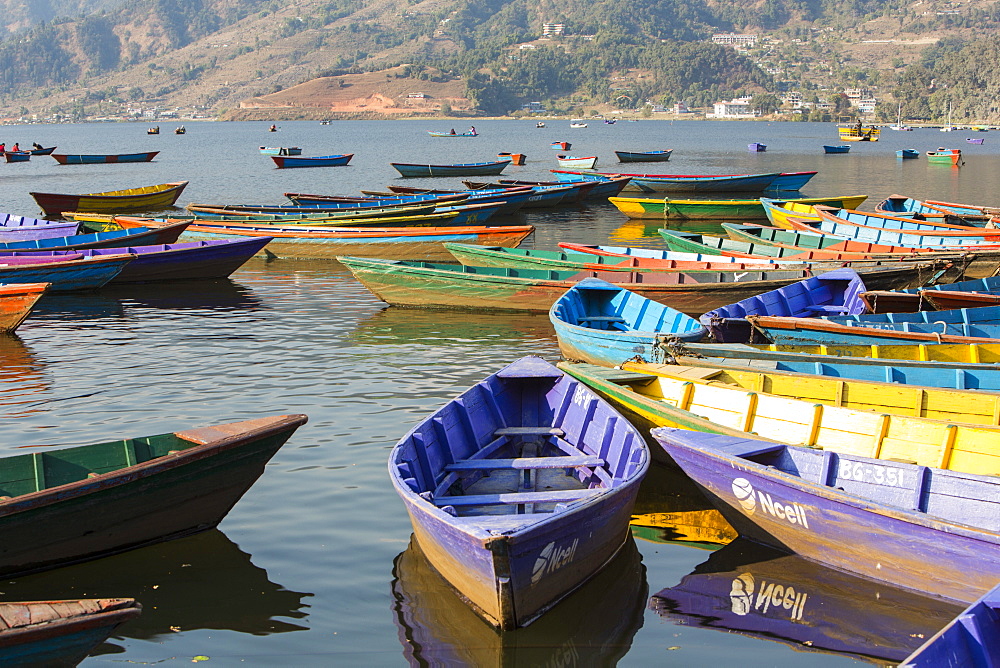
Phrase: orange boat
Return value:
(16, 302)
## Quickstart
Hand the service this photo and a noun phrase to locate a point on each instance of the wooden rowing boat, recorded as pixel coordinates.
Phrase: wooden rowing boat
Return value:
(909, 525)
(835, 292)
(970, 639)
(138, 235)
(16, 302)
(952, 357)
(129, 200)
(103, 158)
(648, 208)
(427, 285)
(644, 156)
(596, 321)
(90, 501)
(466, 169)
(532, 502)
(666, 395)
(21, 228)
(59, 633)
(900, 205)
(287, 162)
(805, 331)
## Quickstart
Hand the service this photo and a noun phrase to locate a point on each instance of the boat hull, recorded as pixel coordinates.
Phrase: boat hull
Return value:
(285, 162)
(150, 198)
(68, 276)
(161, 499)
(639, 156)
(473, 169)
(65, 159)
(16, 302)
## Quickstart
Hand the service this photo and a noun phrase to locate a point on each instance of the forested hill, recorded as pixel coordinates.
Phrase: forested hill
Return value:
(91, 56)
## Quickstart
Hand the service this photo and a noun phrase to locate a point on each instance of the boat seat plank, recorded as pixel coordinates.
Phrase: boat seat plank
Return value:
(525, 463)
(529, 431)
(601, 318)
(552, 496)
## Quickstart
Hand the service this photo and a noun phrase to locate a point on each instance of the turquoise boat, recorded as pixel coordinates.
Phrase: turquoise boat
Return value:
(602, 323)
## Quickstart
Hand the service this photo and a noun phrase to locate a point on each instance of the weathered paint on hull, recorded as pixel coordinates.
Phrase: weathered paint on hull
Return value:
(873, 541)
(427, 248)
(69, 276)
(16, 302)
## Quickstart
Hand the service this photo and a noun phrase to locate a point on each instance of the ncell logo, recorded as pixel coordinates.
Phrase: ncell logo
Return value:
(749, 499)
(747, 597)
(552, 558)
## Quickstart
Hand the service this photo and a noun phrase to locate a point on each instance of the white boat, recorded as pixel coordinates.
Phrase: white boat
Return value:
(577, 163)
(949, 127)
(577, 123)
(899, 127)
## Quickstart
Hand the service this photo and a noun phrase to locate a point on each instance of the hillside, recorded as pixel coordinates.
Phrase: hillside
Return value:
(326, 58)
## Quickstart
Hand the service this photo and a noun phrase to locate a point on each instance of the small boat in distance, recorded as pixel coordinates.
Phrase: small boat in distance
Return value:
(280, 150)
(574, 162)
(102, 158)
(577, 124)
(471, 132)
(843, 148)
(153, 131)
(468, 169)
(560, 145)
(907, 153)
(285, 162)
(757, 147)
(38, 150)
(17, 156)
(858, 133)
(180, 130)
(970, 140)
(644, 156)
(515, 158)
(945, 156)
(539, 124)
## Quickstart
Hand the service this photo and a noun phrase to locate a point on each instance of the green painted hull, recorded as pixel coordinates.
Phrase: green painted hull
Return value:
(69, 505)
(798, 241)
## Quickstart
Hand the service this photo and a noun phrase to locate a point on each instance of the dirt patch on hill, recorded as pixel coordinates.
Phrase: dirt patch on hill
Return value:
(386, 94)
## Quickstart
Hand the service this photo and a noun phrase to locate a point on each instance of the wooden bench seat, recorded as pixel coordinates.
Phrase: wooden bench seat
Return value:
(516, 498)
(529, 431)
(525, 463)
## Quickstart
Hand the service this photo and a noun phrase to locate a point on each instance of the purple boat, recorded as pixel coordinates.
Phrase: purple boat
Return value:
(137, 235)
(836, 292)
(920, 528)
(20, 228)
(521, 489)
(971, 640)
(210, 259)
(763, 593)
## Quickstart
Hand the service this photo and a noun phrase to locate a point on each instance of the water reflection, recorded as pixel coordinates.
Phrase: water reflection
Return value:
(403, 326)
(756, 591)
(73, 307)
(200, 582)
(594, 626)
(671, 509)
(217, 295)
(22, 376)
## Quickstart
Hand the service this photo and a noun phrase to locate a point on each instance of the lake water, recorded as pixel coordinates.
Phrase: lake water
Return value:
(312, 566)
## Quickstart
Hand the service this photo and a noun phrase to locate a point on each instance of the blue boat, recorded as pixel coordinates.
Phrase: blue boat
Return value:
(756, 147)
(190, 260)
(102, 158)
(822, 331)
(66, 275)
(520, 489)
(958, 214)
(17, 156)
(836, 291)
(970, 640)
(929, 530)
(602, 323)
(166, 234)
(286, 162)
(468, 169)
(843, 148)
(907, 153)
(819, 609)
(829, 224)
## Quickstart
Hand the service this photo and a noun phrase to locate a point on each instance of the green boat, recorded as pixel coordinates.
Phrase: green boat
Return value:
(724, 209)
(64, 506)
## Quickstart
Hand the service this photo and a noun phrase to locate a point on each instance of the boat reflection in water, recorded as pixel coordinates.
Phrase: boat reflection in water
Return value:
(215, 295)
(22, 377)
(200, 582)
(594, 626)
(757, 591)
(671, 509)
(442, 327)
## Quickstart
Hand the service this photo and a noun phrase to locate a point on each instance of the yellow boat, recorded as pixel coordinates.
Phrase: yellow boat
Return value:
(780, 210)
(647, 208)
(858, 133)
(653, 395)
(960, 353)
(933, 403)
(129, 200)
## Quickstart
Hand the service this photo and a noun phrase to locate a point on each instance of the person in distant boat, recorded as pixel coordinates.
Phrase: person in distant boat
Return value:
(3, 148)
(452, 131)
(15, 148)
(472, 129)
(274, 128)
(35, 146)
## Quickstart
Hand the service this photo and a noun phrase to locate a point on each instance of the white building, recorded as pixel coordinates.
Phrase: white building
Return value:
(549, 29)
(739, 108)
(734, 39)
